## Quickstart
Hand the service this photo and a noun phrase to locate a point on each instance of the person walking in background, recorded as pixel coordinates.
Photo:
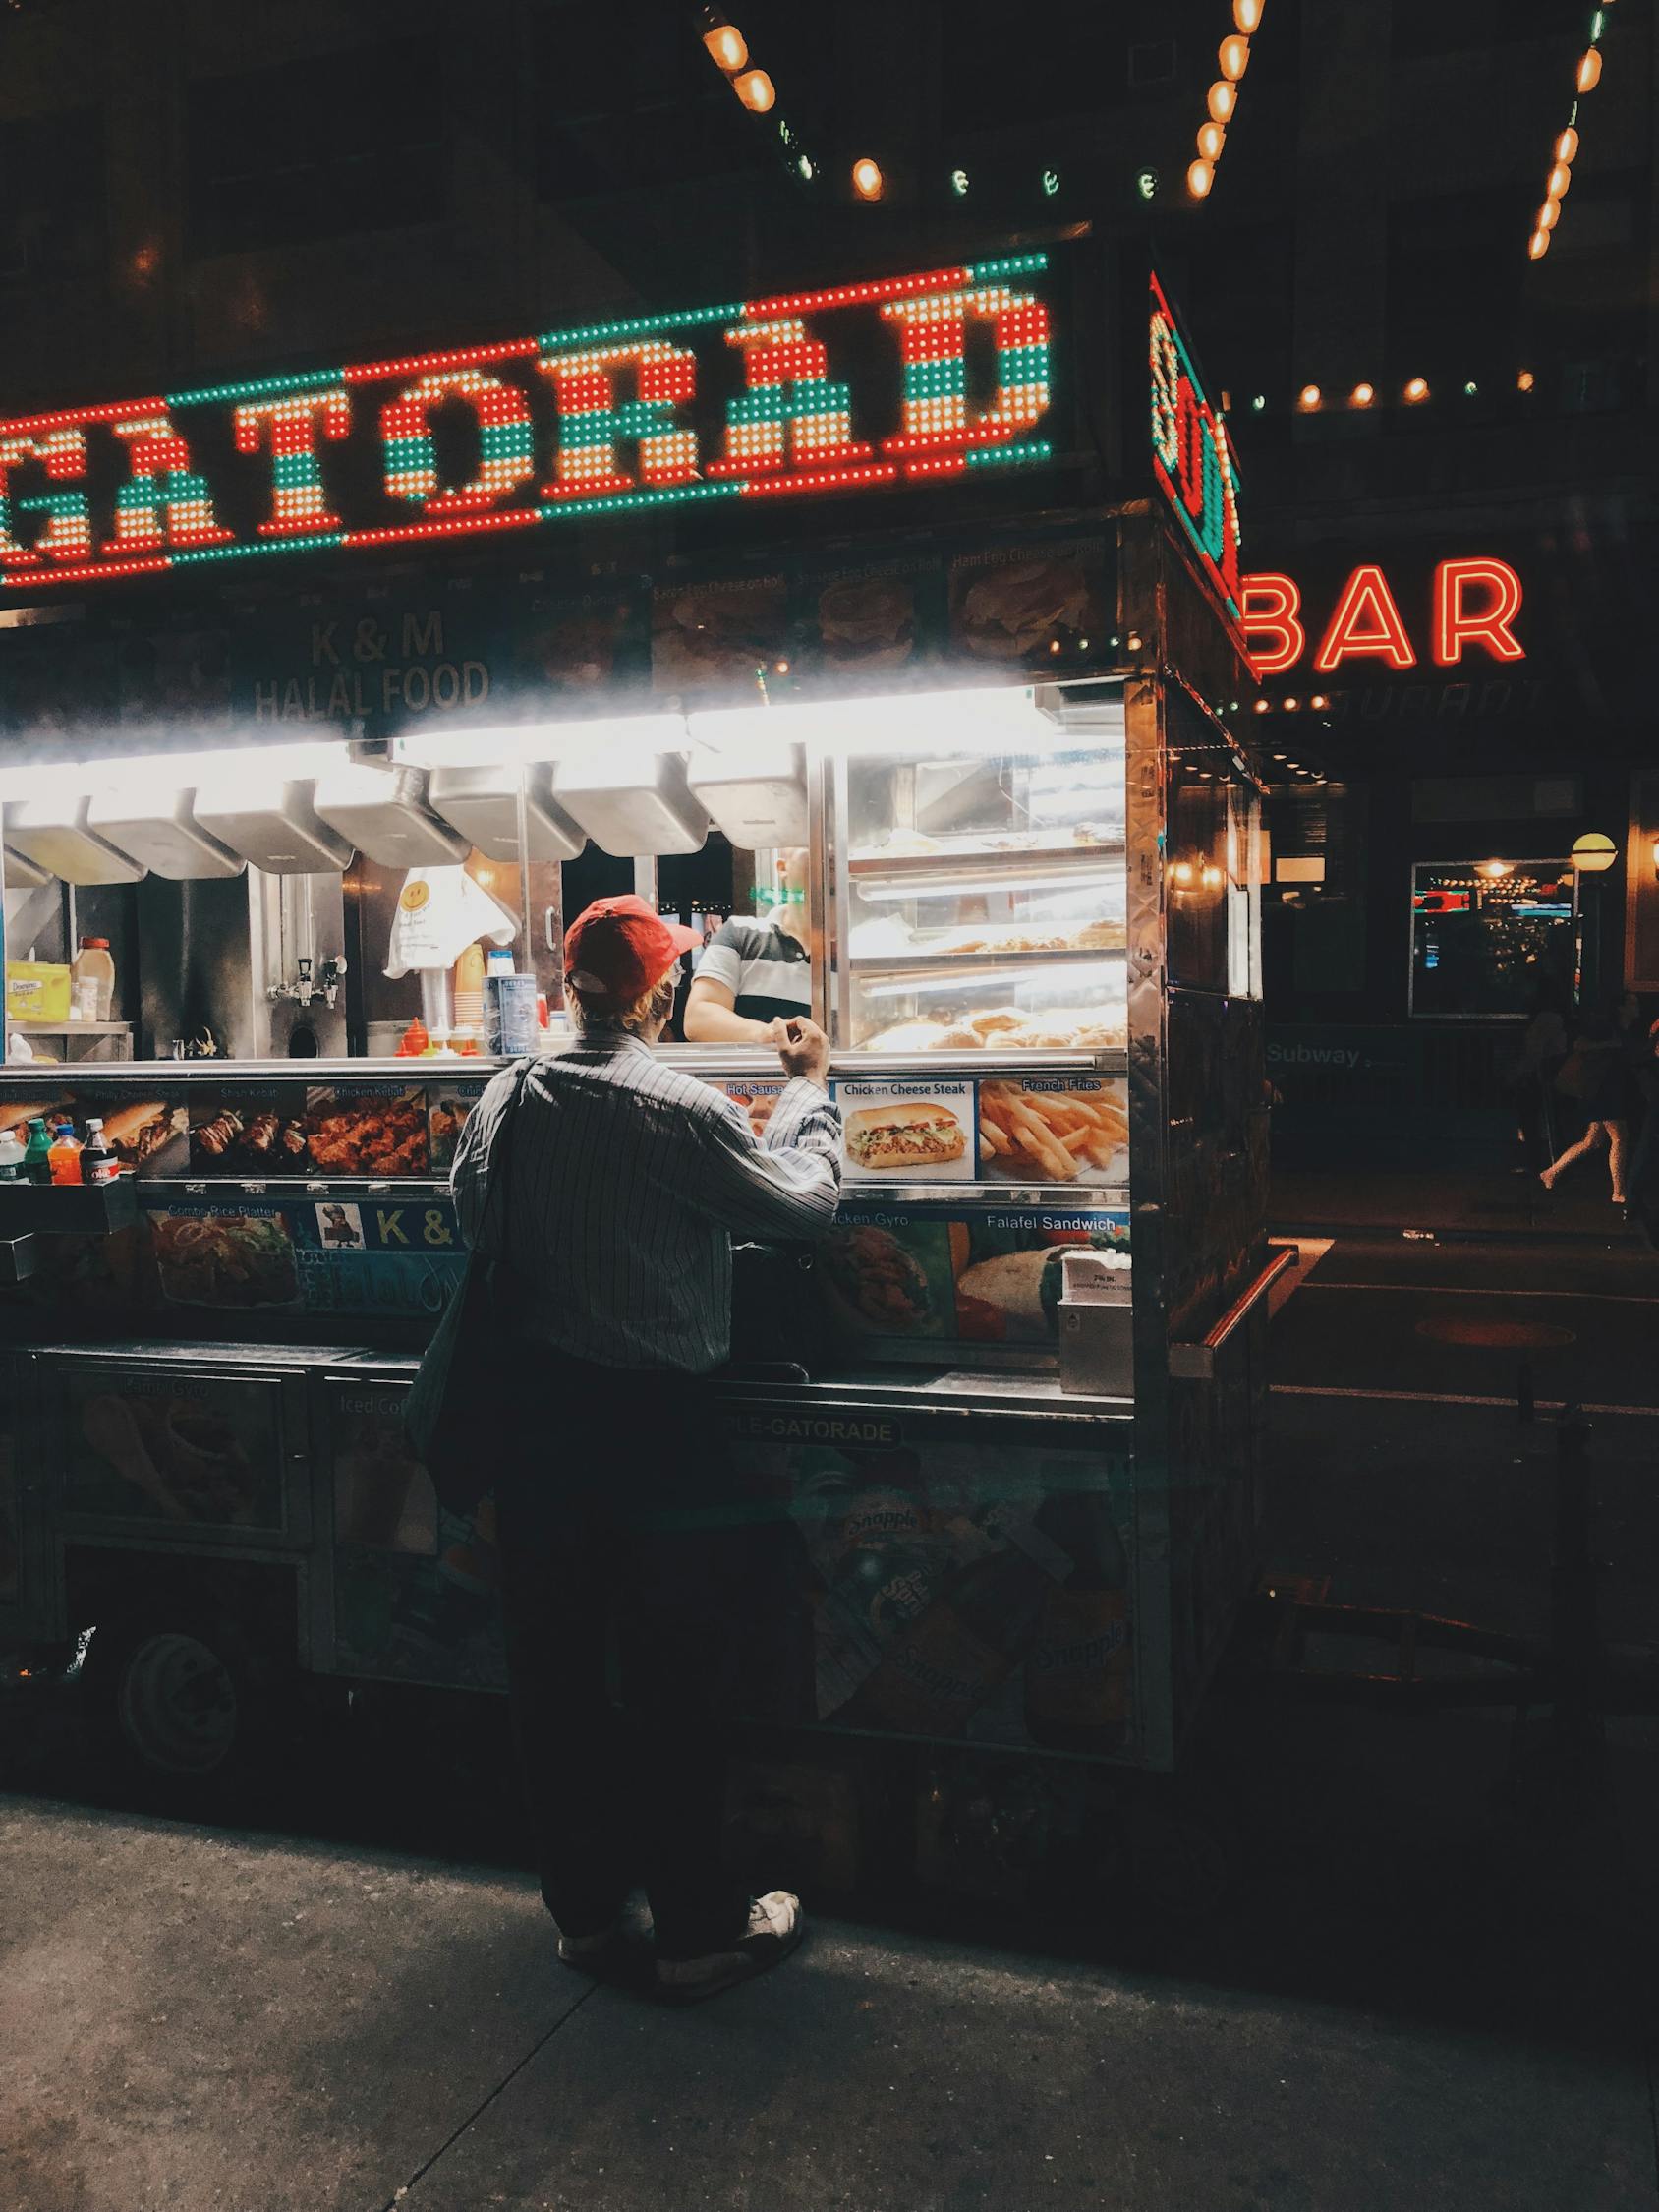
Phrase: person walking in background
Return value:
(1543, 1051)
(1642, 1184)
(1597, 1073)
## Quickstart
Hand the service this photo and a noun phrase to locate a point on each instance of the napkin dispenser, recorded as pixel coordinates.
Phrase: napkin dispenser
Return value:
(1096, 1326)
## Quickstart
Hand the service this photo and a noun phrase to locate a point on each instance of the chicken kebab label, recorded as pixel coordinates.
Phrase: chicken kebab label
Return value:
(371, 1129)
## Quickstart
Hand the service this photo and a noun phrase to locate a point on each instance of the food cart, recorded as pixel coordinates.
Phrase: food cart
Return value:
(990, 687)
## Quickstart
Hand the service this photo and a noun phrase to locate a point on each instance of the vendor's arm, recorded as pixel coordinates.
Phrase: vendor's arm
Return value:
(712, 1017)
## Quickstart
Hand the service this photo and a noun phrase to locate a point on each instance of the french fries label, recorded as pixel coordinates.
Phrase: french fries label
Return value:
(1054, 1129)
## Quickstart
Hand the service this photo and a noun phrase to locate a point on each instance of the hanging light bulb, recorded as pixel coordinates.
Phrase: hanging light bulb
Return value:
(727, 47)
(1525, 381)
(1233, 58)
(1223, 99)
(1308, 398)
(1211, 139)
(1566, 145)
(1589, 69)
(1200, 176)
(1538, 245)
(1416, 391)
(1362, 395)
(867, 178)
(1248, 14)
(1548, 215)
(1559, 178)
(756, 89)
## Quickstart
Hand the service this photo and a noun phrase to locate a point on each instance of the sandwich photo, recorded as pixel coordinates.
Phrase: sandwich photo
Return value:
(904, 1134)
(136, 1133)
(18, 1113)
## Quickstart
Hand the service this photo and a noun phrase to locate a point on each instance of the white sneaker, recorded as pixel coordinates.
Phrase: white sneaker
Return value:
(775, 1927)
(589, 1950)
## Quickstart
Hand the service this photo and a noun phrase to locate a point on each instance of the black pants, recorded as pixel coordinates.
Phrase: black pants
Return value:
(611, 1524)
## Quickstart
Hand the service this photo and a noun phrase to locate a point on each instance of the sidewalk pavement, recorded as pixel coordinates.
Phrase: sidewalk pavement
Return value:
(216, 2021)
(1482, 1202)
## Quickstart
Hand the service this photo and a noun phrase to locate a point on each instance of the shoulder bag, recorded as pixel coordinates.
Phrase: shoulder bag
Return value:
(460, 1416)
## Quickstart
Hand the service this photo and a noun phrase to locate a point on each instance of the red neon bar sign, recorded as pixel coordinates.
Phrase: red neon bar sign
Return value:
(1473, 603)
(532, 432)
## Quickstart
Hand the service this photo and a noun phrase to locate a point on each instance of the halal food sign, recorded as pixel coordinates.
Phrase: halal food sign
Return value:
(780, 397)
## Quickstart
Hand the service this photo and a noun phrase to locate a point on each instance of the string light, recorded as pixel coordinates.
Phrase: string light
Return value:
(1232, 58)
(1564, 150)
(1308, 398)
(1362, 395)
(727, 47)
(756, 89)
(867, 178)
(1416, 391)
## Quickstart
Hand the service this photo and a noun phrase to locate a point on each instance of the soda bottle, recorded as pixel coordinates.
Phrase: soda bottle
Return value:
(37, 1154)
(98, 1164)
(11, 1157)
(63, 1158)
(1077, 1676)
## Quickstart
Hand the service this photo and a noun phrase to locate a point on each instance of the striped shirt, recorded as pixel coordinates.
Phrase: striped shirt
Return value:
(628, 1180)
(767, 972)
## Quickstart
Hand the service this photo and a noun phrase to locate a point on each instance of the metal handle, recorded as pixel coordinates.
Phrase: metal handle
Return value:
(1196, 1362)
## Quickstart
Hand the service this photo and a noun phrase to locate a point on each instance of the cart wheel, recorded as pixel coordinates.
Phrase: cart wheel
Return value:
(176, 1692)
(1181, 1865)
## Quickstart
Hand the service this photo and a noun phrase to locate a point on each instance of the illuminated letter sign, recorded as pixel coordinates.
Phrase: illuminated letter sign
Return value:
(1271, 604)
(1495, 589)
(1473, 603)
(1191, 455)
(68, 534)
(1365, 622)
(298, 508)
(605, 416)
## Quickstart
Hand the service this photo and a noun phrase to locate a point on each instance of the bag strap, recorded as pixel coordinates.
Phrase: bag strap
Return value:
(500, 1151)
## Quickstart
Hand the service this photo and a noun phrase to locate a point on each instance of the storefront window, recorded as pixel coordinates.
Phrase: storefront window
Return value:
(1490, 938)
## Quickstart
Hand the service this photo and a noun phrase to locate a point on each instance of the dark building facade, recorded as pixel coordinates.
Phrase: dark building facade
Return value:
(1446, 446)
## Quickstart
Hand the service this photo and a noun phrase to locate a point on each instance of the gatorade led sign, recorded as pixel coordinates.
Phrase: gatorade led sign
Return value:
(752, 399)
(1472, 605)
(1191, 458)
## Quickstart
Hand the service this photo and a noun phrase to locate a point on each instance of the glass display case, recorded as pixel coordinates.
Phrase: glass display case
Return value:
(979, 885)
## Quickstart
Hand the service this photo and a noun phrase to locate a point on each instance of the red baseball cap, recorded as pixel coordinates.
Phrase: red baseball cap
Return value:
(617, 950)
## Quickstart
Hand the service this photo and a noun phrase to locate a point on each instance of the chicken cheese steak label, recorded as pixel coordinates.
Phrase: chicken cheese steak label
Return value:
(917, 1132)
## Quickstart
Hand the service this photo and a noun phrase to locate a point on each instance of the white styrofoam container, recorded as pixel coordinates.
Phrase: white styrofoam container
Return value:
(163, 832)
(756, 794)
(482, 802)
(271, 822)
(632, 805)
(384, 812)
(53, 833)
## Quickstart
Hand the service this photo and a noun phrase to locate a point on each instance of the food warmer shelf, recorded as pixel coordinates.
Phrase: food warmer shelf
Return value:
(721, 1061)
(992, 866)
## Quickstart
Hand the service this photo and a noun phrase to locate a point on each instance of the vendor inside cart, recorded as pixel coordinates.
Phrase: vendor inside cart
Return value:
(756, 975)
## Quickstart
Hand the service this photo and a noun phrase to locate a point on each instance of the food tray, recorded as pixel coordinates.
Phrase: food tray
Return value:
(976, 861)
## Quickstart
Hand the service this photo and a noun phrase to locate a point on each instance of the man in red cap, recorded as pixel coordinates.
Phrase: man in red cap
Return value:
(624, 1182)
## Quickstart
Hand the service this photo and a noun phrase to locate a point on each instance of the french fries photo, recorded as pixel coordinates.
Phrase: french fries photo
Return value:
(1050, 1136)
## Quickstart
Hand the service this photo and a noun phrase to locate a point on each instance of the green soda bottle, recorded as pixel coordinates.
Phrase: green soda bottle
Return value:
(36, 1157)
